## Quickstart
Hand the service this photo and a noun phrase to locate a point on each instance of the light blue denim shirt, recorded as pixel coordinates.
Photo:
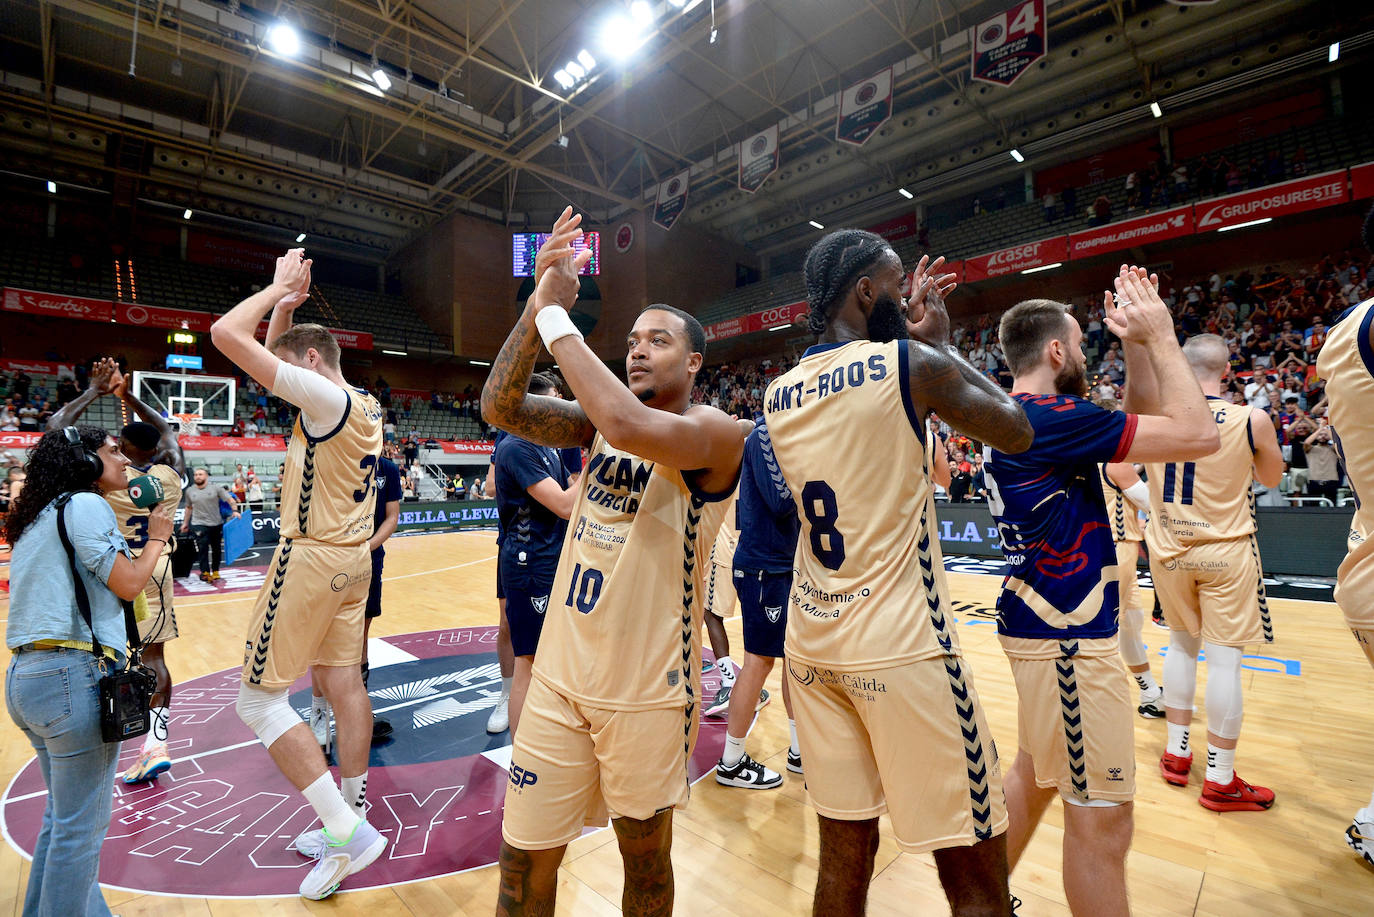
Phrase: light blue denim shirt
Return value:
(42, 595)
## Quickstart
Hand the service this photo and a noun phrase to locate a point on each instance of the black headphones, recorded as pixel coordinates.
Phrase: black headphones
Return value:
(86, 466)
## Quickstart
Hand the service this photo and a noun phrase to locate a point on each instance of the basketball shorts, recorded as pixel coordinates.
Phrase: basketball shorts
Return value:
(1355, 581)
(500, 584)
(909, 740)
(575, 766)
(374, 588)
(1127, 559)
(527, 600)
(1216, 590)
(161, 623)
(1076, 720)
(763, 600)
(308, 612)
(720, 590)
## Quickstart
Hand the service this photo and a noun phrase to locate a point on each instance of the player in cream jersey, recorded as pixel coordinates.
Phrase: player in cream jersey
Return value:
(1346, 362)
(309, 613)
(887, 717)
(152, 448)
(611, 715)
(1205, 565)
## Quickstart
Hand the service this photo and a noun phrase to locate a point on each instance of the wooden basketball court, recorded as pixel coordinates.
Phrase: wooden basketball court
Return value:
(1307, 728)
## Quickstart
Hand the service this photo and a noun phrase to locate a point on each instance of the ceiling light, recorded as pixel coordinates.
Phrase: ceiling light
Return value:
(1156, 110)
(186, 215)
(52, 187)
(1043, 267)
(905, 193)
(284, 39)
(585, 59)
(1243, 225)
(395, 353)
(381, 79)
(619, 36)
(815, 224)
(563, 78)
(300, 238)
(575, 70)
(642, 12)
(780, 327)
(1333, 53)
(480, 362)
(1016, 154)
(714, 34)
(677, 3)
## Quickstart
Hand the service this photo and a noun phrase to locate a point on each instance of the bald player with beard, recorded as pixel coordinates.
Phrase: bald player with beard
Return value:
(1205, 565)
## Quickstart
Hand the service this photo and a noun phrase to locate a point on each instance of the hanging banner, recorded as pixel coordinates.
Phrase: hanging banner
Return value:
(1156, 227)
(1362, 181)
(1295, 196)
(1008, 43)
(1016, 259)
(127, 313)
(864, 107)
(672, 200)
(758, 159)
(34, 302)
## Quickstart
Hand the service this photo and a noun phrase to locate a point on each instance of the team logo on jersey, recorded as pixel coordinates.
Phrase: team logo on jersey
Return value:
(220, 822)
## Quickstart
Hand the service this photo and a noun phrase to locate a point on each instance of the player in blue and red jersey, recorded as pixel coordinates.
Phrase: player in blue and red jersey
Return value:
(1057, 612)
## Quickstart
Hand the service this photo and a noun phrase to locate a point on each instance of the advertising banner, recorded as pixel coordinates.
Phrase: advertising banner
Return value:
(57, 305)
(353, 340)
(755, 321)
(1362, 180)
(1017, 258)
(1156, 227)
(1310, 193)
(36, 366)
(127, 313)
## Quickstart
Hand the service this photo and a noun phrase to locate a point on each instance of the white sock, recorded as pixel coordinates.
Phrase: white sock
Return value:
(1178, 740)
(157, 735)
(734, 750)
(355, 792)
(329, 804)
(1149, 688)
(318, 705)
(795, 748)
(726, 666)
(505, 687)
(1220, 764)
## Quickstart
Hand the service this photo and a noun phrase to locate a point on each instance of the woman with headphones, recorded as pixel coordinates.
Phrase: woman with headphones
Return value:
(51, 688)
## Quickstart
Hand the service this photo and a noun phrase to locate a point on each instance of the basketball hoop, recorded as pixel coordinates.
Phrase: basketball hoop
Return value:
(188, 423)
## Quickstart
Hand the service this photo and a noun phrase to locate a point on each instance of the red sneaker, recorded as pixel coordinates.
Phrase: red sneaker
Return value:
(1175, 769)
(1236, 796)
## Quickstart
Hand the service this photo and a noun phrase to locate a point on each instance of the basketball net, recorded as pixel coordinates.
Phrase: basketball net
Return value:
(188, 423)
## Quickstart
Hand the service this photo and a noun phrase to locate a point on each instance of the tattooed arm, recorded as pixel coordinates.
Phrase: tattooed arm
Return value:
(537, 418)
(968, 401)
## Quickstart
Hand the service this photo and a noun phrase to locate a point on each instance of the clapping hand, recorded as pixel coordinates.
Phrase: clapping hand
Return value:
(557, 264)
(927, 317)
(1136, 313)
(293, 276)
(102, 375)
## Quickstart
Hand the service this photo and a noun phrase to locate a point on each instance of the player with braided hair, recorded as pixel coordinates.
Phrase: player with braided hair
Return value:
(873, 658)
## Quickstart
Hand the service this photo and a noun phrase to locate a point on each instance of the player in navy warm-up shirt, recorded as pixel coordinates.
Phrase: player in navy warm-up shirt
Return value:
(534, 497)
(1057, 611)
(499, 719)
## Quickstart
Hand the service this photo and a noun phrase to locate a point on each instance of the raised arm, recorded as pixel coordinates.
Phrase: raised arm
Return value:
(235, 333)
(168, 447)
(101, 374)
(1268, 455)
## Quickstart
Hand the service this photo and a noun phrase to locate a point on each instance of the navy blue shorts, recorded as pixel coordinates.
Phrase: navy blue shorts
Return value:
(763, 600)
(500, 586)
(527, 600)
(374, 591)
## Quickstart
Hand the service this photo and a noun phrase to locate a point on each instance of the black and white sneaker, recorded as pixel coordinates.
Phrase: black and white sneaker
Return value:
(749, 774)
(1152, 709)
(794, 762)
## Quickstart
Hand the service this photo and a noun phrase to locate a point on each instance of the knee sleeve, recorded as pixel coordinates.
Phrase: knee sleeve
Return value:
(266, 712)
(1132, 649)
(1180, 670)
(1225, 708)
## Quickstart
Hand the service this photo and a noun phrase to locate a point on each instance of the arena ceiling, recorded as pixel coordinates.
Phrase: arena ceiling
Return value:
(183, 104)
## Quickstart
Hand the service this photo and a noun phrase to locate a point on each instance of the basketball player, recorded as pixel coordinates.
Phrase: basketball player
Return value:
(611, 714)
(1205, 564)
(766, 518)
(719, 518)
(309, 613)
(1125, 494)
(498, 720)
(1057, 611)
(887, 717)
(535, 496)
(1346, 362)
(151, 446)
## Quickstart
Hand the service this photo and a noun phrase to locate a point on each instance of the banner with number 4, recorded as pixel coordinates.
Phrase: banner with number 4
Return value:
(1006, 45)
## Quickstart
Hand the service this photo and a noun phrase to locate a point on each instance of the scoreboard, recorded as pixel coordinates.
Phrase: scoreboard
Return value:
(525, 245)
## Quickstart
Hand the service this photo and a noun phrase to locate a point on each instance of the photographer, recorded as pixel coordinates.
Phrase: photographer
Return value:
(51, 688)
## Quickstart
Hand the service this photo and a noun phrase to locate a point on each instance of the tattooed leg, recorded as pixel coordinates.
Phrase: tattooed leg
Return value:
(529, 881)
(846, 867)
(646, 847)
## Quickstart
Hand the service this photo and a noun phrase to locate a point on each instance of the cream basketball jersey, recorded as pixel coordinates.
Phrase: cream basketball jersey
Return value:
(133, 520)
(1121, 513)
(327, 485)
(1346, 363)
(726, 528)
(1208, 499)
(622, 629)
(869, 589)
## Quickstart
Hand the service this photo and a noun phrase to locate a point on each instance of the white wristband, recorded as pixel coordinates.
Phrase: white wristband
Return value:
(554, 323)
(1139, 494)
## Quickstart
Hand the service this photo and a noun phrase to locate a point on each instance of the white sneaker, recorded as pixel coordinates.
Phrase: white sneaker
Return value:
(338, 861)
(499, 721)
(747, 773)
(1360, 835)
(311, 843)
(319, 725)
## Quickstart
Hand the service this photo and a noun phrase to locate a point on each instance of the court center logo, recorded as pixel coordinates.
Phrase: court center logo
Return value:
(221, 821)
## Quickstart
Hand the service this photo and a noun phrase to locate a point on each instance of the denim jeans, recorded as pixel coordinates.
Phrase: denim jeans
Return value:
(52, 695)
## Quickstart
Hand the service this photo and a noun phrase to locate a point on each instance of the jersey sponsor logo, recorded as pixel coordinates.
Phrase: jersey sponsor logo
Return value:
(857, 685)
